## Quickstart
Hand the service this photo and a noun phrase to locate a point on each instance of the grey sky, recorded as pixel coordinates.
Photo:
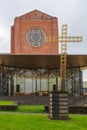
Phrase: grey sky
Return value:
(71, 12)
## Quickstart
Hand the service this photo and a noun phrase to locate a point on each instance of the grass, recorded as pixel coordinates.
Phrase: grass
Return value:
(41, 122)
(31, 108)
(17, 121)
(6, 102)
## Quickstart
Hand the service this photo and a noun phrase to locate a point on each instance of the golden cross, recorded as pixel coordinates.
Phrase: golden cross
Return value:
(63, 57)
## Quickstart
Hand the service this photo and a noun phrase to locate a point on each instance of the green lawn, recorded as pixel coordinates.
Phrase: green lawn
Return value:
(40, 122)
(31, 108)
(6, 102)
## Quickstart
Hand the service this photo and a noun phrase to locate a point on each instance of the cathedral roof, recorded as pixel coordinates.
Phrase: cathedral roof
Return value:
(36, 14)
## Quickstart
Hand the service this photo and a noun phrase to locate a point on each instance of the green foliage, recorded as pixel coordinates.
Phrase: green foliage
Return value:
(31, 108)
(6, 102)
(41, 122)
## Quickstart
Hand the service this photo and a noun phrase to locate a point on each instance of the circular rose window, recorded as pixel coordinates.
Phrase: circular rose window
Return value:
(36, 36)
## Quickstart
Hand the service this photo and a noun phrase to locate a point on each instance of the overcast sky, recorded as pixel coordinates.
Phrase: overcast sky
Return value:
(71, 12)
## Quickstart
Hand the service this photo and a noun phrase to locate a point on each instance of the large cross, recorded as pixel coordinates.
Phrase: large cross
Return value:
(63, 39)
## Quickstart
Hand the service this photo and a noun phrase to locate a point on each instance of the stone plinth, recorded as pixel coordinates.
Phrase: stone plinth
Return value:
(58, 106)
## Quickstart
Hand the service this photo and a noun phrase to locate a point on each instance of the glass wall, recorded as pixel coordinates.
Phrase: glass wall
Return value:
(16, 81)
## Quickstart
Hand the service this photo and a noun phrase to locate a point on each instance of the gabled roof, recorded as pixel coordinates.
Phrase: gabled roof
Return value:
(35, 14)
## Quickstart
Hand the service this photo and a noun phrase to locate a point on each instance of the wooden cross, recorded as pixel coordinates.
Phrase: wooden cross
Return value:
(63, 39)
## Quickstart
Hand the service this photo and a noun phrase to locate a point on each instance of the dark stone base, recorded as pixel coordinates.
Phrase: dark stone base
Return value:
(59, 118)
(58, 106)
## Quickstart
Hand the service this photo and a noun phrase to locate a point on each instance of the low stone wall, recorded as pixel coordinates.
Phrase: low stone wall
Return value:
(31, 100)
(72, 109)
(78, 109)
(43, 100)
(9, 107)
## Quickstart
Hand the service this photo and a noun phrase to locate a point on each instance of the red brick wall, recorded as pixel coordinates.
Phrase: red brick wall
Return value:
(19, 44)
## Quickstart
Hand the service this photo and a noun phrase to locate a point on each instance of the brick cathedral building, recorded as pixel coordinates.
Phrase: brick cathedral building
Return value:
(29, 32)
